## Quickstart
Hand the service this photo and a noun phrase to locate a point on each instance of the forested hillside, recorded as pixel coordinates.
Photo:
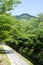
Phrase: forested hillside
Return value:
(24, 16)
(23, 34)
(27, 39)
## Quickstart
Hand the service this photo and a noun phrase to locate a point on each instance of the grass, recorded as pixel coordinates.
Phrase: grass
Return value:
(3, 57)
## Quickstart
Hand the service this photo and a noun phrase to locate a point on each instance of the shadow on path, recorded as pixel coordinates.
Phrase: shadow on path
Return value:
(7, 51)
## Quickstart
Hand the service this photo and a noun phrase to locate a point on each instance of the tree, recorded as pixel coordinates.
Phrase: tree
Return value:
(6, 21)
(7, 5)
(40, 17)
(6, 26)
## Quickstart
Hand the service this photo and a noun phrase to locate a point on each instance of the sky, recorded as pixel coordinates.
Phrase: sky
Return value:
(32, 7)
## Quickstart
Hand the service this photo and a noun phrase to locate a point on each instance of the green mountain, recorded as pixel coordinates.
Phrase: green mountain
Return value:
(24, 16)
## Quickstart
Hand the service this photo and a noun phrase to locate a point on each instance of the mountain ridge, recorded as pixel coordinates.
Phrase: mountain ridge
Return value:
(24, 16)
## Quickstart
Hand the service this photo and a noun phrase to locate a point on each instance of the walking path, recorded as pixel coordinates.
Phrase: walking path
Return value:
(13, 57)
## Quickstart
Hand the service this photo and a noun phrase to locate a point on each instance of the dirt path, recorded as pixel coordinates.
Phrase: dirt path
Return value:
(13, 57)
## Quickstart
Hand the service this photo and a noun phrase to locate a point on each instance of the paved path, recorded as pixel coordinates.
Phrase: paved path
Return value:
(13, 57)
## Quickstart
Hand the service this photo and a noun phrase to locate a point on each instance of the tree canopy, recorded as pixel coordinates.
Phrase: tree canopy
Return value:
(25, 36)
(7, 5)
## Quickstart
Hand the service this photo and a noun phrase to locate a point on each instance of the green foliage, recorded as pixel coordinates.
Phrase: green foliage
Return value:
(7, 23)
(28, 39)
(25, 36)
(7, 5)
